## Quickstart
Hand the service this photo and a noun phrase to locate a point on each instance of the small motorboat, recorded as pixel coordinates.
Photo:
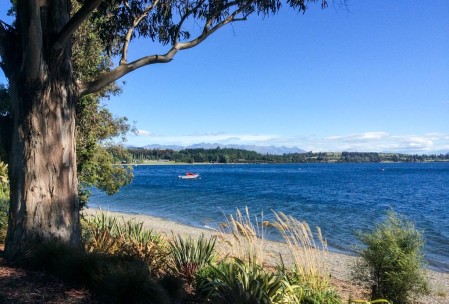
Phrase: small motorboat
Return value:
(189, 175)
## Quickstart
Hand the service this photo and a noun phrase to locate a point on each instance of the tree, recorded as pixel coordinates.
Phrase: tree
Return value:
(36, 57)
(95, 125)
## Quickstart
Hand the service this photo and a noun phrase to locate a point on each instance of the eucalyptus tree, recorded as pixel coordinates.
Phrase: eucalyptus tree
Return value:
(95, 124)
(37, 59)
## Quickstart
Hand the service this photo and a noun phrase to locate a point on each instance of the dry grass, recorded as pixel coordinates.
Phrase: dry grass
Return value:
(309, 255)
(243, 238)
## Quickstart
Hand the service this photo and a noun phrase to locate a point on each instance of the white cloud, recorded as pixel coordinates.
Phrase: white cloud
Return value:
(361, 136)
(363, 142)
(143, 133)
(385, 142)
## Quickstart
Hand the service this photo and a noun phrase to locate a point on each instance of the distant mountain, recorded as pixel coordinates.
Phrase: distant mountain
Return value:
(164, 147)
(259, 149)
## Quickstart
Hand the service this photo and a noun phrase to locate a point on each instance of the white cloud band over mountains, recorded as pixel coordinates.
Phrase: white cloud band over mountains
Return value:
(362, 142)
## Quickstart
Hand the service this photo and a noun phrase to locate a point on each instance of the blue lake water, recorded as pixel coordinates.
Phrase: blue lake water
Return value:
(340, 198)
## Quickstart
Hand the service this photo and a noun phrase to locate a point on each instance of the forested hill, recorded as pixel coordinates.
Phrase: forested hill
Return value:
(230, 155)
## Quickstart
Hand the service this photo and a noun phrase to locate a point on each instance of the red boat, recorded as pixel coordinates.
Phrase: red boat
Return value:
(189, 175)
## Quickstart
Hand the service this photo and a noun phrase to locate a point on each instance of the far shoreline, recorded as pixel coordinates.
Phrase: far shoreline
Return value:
(172, 163)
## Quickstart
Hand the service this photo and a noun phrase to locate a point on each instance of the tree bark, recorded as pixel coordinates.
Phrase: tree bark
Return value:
(42, 159)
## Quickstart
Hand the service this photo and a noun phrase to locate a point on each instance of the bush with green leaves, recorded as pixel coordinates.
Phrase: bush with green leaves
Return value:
(4, 206)
(392, 261)
(4, 200)
(116, 278)
(315, 289)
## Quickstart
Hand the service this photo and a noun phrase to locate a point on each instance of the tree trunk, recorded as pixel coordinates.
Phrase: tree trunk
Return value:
(42, 159)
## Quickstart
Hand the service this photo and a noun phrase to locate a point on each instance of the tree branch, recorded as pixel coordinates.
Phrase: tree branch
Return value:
(74, 23)
(129, 34)
(3, 39)
(8, 48)
(207, 32)
(184, 18)
(122, 70)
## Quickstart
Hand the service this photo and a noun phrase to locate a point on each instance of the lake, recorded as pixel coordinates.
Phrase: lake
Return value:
(339, 198)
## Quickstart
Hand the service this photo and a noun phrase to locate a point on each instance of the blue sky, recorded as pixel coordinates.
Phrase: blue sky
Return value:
(372, 77)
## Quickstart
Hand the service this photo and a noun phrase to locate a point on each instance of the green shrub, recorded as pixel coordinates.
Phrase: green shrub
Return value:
(393, 262)
(4, 181)
(117, 279)
(4, 200)
(127, 280)
(4, 207)
(315, 290)
(188, 256)
(246, 282)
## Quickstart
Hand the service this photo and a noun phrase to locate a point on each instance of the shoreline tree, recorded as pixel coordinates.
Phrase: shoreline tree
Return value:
(37, 59)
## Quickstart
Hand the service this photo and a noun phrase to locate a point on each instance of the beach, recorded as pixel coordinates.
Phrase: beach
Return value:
(338, 265)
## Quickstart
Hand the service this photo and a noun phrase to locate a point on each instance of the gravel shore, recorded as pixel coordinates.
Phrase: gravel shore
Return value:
(338, 264)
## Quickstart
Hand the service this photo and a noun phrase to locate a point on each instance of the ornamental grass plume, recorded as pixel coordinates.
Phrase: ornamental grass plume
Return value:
(309, 255)
(243, 238)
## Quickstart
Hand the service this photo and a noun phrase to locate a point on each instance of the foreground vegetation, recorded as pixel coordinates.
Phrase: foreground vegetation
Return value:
(196, 268)
(227, 155)
(123, 262)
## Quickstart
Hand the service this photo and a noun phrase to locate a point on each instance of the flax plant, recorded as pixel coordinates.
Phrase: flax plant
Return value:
(241, 238)
(104, 233)
(188, 256)
(247, 282)
(144, 244)
(100, 233)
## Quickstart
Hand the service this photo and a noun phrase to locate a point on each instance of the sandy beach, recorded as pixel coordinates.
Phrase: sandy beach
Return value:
(338, 264)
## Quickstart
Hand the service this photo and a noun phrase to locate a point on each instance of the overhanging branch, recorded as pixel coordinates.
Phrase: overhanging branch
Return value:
(3, 39)
(122, 70)
(207, 30)
(74, 23)
(125, 68)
